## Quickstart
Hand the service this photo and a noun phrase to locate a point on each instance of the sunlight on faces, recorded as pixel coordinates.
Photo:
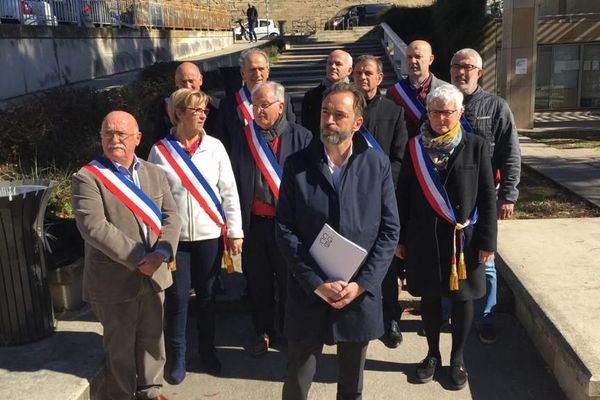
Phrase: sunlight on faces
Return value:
(338, 66)
(266, 107)
(443, 116)
(120, 146)
(462, 78)
(188, 76)
(255, 70)
(418, 59)
(338, 121)
(367, 78)
(192, 117)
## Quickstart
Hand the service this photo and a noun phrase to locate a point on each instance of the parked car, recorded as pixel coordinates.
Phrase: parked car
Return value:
(264, 28)
(357, 15)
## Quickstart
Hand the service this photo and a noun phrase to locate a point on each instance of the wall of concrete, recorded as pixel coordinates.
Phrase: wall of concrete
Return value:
(34, 58)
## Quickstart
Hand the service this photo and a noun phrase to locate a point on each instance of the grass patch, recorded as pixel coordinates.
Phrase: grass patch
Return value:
(541, 198)
(576, 139)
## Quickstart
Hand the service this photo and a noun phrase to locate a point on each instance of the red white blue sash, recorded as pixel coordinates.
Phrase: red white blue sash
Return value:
(406, 97)
(437, 197)
(127, 192)
(244, 102)
(264, 158)
(172, 154)
(466, 125)
(371, 141)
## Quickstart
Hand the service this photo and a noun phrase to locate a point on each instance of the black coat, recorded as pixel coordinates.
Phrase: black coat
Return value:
(364, 211)
(293, 138)
(385, 120)
(311, 109)
(428, 238)
(231, 121)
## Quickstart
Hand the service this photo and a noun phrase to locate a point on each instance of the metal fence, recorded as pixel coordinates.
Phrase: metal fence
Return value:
(171, 14)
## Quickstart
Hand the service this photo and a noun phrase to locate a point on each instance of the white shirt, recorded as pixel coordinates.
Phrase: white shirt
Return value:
(338, 171)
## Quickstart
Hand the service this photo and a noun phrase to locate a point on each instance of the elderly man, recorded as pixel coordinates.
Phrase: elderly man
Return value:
(342, 182)
(384, 120)
(257, 156)
(410, 92)
(126, 215)
(489, 116)
(236, 111)
(338, 69)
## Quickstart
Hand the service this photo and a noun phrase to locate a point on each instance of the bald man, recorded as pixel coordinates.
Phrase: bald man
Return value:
(410, 92)
(338, 69)
(126, 214)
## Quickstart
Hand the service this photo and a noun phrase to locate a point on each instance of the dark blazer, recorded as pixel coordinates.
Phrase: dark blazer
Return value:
(231, 120)
(428, 238)
(114, 237)
(311, 109)
(385, 120)
(293, 138)
(364, 211)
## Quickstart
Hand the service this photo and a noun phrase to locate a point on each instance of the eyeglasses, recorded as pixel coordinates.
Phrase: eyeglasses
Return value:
(110, 134)
(198, 110)
(264, 106)
(441, 113)
(466, 67)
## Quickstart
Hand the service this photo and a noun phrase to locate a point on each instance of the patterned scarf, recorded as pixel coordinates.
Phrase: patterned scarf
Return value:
(440, 147)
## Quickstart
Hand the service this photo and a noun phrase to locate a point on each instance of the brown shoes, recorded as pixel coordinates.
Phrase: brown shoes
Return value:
(261, 346)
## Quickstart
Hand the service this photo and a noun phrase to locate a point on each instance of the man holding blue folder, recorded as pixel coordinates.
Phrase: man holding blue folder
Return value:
(342, 181)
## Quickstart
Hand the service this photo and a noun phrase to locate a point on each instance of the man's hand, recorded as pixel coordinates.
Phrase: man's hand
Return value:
(504, 209)
(330, 291)
(347, 295)
(150, 263)
(400, 251)
(235, 245)
(485, 256)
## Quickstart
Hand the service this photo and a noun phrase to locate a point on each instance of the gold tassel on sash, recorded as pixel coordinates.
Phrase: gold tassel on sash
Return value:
(228, 262)
(172, 265)
(453, 278)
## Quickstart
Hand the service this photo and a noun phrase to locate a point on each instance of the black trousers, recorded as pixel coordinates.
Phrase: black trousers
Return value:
(389, 292)
(302, 365)
(266, 274)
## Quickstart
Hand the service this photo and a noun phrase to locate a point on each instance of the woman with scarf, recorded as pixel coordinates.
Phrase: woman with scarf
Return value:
(446, 201)
(203, 186)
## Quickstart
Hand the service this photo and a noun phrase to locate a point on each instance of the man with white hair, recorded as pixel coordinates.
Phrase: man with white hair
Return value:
(489, 116)
(257, 157)
(338, 69)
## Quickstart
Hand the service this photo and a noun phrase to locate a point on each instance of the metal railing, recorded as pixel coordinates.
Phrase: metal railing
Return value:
(172, 14)
(395, 49)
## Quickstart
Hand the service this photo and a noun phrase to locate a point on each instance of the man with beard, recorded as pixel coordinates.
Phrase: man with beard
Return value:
(489, 116)
(342, 182)
(383, 121)
(338, 69)
(257, 156)
(410, 92)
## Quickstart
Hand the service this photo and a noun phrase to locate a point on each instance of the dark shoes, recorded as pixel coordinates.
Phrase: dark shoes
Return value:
(426, 369)
(175, 373)
(211, 363)
(392, 336)
(458, 375)
(487, 333)
(261, 346)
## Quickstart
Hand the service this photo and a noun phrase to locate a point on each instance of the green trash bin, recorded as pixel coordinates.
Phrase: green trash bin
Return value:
(26, 313)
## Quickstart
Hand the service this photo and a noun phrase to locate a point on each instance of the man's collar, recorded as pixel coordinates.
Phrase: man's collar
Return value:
(135, 164)
(419, 84)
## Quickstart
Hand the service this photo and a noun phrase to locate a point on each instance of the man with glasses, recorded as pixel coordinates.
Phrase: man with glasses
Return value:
(384, 120)
(257, 156)
(127, 216)
(489, 116)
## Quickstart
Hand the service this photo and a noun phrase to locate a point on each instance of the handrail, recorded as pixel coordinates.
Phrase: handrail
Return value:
(395, 48)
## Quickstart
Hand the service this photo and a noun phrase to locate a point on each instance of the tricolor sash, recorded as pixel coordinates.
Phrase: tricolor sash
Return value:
(466, 125)
(438, 199)
(264, 158)
(406, 97)
(127, 192)
(173, 155)
(371, 141)
(244, 102)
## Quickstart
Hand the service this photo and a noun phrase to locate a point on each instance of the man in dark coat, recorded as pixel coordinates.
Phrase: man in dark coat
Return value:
(338, 69)
(417, 84)
(233, 116)
(252, 15)
(385, 121)
(258, 191)
(490, 117)
(340, 181)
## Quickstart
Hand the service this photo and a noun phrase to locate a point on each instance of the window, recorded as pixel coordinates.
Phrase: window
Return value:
(590, 76)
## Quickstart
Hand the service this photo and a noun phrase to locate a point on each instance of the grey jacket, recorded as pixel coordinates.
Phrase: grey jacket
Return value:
(491, 118)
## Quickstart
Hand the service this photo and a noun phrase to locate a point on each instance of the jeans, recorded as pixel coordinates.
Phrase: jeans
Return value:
(251, 32)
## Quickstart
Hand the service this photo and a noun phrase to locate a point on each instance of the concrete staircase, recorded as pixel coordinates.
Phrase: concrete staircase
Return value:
(302, 67)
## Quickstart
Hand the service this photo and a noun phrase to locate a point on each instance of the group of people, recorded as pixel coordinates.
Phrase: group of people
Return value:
(417, 178)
